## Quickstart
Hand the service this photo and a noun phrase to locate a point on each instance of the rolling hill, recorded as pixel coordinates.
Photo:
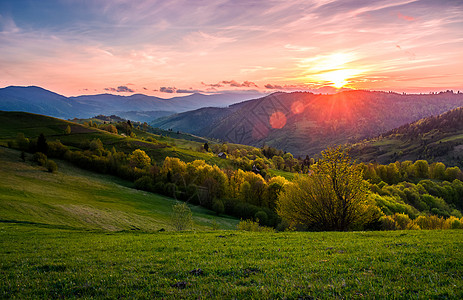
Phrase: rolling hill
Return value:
(305, 123)
(137, 107)
(78, 199)
(437, 138)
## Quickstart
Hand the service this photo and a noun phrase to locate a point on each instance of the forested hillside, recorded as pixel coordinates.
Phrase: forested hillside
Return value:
(438, 138)
(242, 181)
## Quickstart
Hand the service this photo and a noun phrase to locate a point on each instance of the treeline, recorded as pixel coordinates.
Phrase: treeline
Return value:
(415, 189)
(239, 193)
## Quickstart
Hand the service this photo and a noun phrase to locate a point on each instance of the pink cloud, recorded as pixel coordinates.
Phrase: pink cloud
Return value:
(407, 18)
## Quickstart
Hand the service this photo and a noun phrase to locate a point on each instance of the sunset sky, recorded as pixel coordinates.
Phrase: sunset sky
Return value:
(171, 47)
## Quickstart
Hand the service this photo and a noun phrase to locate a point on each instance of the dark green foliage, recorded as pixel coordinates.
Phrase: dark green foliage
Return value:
(42, 145)
(217, 206)
(144, 183)
(52, 167)
(40, 158)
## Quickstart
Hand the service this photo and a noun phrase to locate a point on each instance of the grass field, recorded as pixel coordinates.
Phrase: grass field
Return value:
(50, 263)
(74, 198)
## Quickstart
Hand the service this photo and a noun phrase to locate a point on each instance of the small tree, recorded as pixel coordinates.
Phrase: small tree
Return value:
(42, 145)
(68, 130)
(334, 197)
(206, 147)
(182, 218)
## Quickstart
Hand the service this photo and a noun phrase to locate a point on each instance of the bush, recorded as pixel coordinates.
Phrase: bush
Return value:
(144, 183)
(218, 207)
(52, 167)
(453, 223)
(388, 223)
(261, 217)
(430, 222)
(403, 221)
(250, 225)
(181, 218)
(40, 158)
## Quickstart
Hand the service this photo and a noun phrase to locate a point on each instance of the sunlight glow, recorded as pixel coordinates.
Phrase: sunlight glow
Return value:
(339, 78)
(335, 69)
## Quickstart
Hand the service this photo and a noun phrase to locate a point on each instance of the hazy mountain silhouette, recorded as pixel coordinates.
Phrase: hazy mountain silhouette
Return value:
(141, 107)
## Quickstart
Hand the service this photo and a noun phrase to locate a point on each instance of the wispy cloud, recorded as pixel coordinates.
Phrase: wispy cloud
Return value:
(69, 44)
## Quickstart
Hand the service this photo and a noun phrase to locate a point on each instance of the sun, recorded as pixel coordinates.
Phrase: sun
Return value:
(339, 78)
(335, 69)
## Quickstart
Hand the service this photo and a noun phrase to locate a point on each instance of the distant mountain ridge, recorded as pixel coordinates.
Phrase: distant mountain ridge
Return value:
(305, 123)
(145, 108)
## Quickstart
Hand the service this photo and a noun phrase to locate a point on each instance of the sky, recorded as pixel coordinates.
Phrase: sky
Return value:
(173, 47)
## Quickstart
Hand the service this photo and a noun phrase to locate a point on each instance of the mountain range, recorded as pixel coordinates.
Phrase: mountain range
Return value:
(136, 107)
(305, 123)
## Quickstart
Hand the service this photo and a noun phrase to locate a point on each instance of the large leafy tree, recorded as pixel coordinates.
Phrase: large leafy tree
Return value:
(139, 159)
(332, 197)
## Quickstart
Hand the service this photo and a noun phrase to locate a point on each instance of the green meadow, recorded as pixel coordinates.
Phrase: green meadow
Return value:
(77, 199)
(78, 234)
(40, 262)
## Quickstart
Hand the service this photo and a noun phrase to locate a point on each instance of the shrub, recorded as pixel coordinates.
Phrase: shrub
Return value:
(261, 217)
(403, 221)
(52, 167)
(388, 223)
(250, 225)
(453, 223)
(40, 158)
(181, 218)
(144, 183)
(430, 222)
(217, 206)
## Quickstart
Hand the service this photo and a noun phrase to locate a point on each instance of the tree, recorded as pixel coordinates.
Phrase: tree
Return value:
(278, 162)
(421, 168)
(333, 197)
(139, 159)
(68, 130)
(181, 217)
(42, 145)
(206, 147)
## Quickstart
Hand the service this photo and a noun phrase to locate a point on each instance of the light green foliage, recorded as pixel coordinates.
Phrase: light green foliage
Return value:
(333, 197)
(67, 130)
(421, 169)
(139, 159)
(181, 217)
(250, 225)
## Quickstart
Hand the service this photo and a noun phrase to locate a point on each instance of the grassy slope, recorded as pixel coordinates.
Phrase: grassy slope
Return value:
(76, 198)
(12, 123)
(437, 139)
(50, 263)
